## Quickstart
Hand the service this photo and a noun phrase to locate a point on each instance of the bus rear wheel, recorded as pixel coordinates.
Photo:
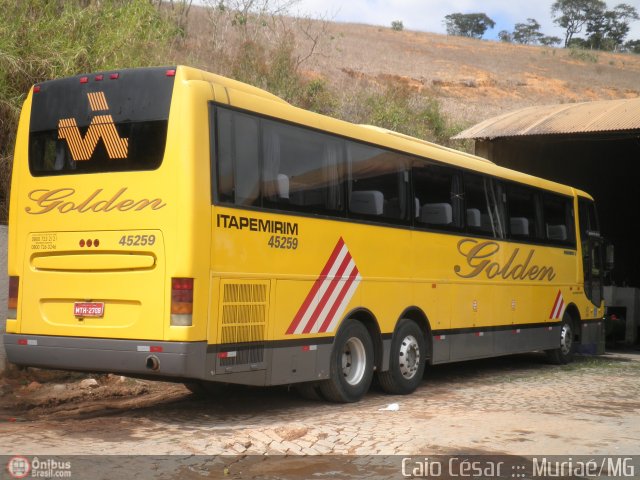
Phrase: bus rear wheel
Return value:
(564, 354)
(351, 369)
(408, 360)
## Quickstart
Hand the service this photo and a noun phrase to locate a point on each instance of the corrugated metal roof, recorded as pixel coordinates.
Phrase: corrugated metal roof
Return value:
(601, 116)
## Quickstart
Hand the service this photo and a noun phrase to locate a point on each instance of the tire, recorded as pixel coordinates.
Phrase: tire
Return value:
(408, 360)
(309, 391)
(564, 354)
(351, 369)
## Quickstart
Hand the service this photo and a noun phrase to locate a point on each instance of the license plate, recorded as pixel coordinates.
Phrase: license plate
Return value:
(88, 309)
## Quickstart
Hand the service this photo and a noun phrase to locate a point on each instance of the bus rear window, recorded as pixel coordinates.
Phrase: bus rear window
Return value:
(100, 123)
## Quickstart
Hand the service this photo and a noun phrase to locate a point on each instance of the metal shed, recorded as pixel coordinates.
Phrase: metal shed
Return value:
(594, 146)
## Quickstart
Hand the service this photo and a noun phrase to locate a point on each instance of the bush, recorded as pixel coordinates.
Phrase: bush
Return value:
(396, 107)
(583, 55)
(397, 25)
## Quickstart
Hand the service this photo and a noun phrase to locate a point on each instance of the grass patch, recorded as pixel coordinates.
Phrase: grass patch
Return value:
(583, 55)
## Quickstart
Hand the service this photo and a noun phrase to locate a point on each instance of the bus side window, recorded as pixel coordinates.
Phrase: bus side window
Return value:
(523, 212)
(303, 170)
(482, 201)
(379, 185)
(237, 173)
(558, 219)
(436, 196)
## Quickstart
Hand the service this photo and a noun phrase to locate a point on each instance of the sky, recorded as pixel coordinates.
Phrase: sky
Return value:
(428, 15)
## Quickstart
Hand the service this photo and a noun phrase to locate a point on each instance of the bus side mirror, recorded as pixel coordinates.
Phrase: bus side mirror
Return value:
(610, 257)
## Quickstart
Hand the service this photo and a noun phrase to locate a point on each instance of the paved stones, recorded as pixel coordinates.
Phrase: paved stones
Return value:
(435, 419)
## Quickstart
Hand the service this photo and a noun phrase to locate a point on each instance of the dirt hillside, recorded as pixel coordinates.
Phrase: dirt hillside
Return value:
(476, 79)
(473, 79)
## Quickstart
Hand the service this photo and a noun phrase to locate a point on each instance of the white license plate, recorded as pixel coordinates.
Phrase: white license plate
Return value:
(88, 309)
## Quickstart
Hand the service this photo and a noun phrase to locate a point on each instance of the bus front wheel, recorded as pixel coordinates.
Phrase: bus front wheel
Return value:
(408, 360)
(564, 354)
(351, 369)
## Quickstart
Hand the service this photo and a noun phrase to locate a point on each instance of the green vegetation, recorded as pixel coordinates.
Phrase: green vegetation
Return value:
(397, 25)
(473, 25)
(396, 107)
(582, 55)
(605, 29)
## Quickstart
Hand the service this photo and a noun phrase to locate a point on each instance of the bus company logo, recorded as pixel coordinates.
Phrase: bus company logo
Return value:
(62, 200)
(480, 259)
(329, 295)
(18, 467)
(558, 307)
(101, 127)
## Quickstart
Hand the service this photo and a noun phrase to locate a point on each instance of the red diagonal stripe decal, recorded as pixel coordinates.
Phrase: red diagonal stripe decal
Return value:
(327, 294)
(338, 301)
(555, 304)
(316, 287)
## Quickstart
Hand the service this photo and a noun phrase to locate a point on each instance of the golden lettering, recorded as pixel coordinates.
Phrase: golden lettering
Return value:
(60, 200)
(480, 259)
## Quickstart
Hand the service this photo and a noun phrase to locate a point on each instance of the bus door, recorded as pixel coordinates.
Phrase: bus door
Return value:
(592, 251)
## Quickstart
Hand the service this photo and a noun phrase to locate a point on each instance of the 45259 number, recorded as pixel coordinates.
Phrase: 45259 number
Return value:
(137, 240)
(287, 243)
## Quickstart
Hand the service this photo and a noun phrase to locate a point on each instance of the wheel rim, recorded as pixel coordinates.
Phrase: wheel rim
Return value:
(409, 357)
(354, 360)
(566, 339)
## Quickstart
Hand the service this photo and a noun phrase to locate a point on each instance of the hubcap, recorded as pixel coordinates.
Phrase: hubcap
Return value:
(409, 357)
(354, 360)
(566, 339)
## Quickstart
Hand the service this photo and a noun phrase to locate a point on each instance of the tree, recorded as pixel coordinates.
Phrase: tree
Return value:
(572, 15)
(633, 46)
(607, 29)
(549, 41)
(397, 25)
(623, 14)
(472, 25)
(505, 36)
(527, 33)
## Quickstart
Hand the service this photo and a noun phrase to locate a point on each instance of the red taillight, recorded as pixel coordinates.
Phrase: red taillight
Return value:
(99, 78)
(181, 302)
(36, 89)
(84, 79)
(182, 295)
(114, 76)
(171, 73)
(12, 301)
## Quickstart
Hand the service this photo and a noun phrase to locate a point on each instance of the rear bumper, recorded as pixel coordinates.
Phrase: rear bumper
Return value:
(174, 359)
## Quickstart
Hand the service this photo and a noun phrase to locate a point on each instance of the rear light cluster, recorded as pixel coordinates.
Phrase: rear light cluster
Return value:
(12, 302)
(99, 77)
(112, 76)
(89, 243)
(182, 302)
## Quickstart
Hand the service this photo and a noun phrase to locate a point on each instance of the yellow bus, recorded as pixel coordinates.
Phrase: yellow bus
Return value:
(172, 223)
